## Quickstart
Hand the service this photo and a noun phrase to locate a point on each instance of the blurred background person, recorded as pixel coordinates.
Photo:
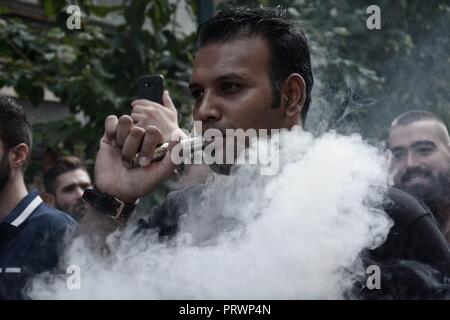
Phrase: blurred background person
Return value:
(64, 183)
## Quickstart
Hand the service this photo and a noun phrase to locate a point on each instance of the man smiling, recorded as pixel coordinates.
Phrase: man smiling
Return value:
(420, 146)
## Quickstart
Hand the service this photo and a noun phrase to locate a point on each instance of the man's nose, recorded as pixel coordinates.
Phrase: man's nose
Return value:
(79, 192)
(209, 109)
(412, 160)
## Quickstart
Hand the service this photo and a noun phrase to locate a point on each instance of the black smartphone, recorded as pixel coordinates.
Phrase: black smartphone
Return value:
(151, 88)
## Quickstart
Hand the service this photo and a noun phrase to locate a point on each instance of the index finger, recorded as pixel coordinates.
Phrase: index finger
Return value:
(110, 127)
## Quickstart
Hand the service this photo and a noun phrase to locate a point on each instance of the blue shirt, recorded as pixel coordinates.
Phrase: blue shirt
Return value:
(31, 241)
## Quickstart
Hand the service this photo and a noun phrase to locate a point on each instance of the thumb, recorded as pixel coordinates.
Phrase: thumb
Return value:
(167, 101)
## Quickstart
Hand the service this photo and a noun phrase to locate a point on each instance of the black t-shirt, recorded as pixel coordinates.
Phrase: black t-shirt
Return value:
(414, 260)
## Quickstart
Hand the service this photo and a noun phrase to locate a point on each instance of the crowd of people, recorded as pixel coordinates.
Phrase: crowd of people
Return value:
(252, 70)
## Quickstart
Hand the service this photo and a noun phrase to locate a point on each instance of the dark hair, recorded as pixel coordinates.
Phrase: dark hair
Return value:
(14, 126)
(61, 166)
(413, 116)
(289, 46)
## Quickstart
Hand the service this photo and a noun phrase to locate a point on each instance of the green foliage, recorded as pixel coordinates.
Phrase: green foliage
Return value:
(94, 71)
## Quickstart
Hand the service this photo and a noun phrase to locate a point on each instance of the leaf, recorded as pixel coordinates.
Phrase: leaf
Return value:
(135, 14)
(4, 10)
(26, 89)
(53, 7)
(103, 11)
(49, 8)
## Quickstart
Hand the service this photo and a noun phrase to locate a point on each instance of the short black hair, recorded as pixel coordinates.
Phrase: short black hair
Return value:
(61, 166)
(289, 45)
(413, 116)
(14, 126)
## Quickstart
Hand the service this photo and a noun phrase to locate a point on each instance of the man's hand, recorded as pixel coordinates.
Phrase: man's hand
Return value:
(148, 113)
(120, 143)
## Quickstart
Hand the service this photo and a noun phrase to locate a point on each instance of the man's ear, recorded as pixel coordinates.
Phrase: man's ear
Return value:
(49, 199)
(18, 155)
(293, 95)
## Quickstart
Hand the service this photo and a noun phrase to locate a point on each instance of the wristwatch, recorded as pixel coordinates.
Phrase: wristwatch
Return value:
(107, 204)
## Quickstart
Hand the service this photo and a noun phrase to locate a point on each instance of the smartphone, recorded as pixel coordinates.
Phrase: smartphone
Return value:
(151, 88)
